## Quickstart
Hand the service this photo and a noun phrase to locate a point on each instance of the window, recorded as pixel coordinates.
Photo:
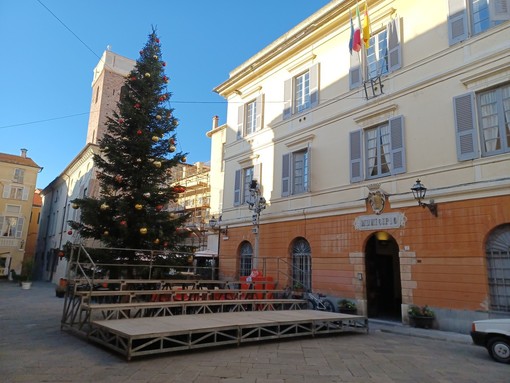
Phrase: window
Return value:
(301, 92)
(247, 178)
(383, 151)
(11, 226)
(492, 127)
(378, 151)
(249, 117)
(19, 175)
(471, 17)
(377, 55)
(15, 192)
(296, 172)
(242, 181)
(383, 56)
(246, 257)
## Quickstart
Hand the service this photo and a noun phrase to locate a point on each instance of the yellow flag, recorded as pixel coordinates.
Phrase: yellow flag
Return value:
(366, 28)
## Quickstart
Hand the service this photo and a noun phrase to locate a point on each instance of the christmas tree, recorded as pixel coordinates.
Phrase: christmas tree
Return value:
(137, 154)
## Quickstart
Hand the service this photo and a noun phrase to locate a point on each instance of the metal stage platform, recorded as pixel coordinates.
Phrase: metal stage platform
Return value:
(154, 335)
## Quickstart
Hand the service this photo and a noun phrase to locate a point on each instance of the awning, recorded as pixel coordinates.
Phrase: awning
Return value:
(206, 253)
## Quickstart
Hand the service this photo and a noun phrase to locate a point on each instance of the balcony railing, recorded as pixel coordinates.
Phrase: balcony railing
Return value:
(10, 242)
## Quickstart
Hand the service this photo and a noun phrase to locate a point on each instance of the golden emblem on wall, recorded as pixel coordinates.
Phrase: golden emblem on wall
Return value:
(376, 198)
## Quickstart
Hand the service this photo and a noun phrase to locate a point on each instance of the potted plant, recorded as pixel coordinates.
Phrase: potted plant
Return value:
(346, 306)
(298, 289)
(26, 273)
(421, 316)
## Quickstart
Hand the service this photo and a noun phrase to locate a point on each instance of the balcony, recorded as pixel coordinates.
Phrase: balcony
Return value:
(10, 242)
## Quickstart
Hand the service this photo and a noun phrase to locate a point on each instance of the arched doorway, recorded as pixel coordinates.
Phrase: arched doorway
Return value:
(245, 258)
(382, 270)
(497, 250)
(302, 263)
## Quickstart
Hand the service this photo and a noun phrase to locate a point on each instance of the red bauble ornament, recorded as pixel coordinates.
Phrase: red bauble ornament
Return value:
(157, 40)
(123, 223)
(161, 98)
(70, 232)
(121, 121)
(163, 63)
(137, 106)
(118, 178)
(159, 207)
(139, 132)
(133, 78)
(61, 254)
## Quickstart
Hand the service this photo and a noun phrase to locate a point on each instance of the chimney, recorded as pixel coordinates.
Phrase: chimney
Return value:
(215, 122)
(24, 153)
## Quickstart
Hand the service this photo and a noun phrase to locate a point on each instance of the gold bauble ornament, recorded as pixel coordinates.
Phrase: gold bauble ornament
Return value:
(172, 148)
(156, 241)
(106, 232)
(138, 206)
(158, 117)
(155, 138)
(143, 230)
(104, 206)
(157, 164)
(147, 74)
(76, 206)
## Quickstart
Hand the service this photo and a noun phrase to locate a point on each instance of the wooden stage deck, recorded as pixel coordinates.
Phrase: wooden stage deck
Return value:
(155, 335)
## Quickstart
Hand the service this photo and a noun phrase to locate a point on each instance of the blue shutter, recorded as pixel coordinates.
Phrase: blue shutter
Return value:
(286, 175)
(465, 128)
(287, 98)
(356, 160)
(457, 21)
(259, 105)
(309, 168)
(314, 85)
(240, 121)
(394, 45)
(397, 148)
(237, 188)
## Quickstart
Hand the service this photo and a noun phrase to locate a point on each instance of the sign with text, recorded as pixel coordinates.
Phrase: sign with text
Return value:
(380, 222)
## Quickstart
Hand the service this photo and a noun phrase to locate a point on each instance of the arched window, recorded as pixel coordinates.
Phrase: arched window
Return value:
(246, 259)
(302, 263)
(497, 250)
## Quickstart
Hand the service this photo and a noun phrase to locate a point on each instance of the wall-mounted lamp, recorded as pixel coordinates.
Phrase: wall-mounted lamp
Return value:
(419, 190)
(213, 222)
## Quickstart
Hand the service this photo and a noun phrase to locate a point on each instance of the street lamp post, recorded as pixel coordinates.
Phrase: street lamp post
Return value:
(257, 203)
(212, 224)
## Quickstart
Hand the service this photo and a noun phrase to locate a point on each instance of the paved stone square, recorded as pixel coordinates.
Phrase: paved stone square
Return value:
(34, 349)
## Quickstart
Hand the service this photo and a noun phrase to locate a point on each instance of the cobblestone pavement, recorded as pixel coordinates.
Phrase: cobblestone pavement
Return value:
(34, 349)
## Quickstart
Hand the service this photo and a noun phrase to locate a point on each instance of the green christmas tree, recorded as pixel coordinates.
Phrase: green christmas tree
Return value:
(137, 154)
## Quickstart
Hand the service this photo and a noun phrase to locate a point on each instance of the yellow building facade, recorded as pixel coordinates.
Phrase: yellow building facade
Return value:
(336, 141)
(18, 177)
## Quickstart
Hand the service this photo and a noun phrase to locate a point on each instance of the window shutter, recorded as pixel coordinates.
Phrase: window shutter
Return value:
(7, 191)
(355, 71)
(19, 227)
(286, 175)
(314, 85)
(464, 112)
(237, 188)
(259, 104)
(398, 154)
(240, 121)
(457, 21)
(356, 159)
(309, 168)
(499, 10)
(1, 224)
(25, 194)
(394, 46)
(287, 99)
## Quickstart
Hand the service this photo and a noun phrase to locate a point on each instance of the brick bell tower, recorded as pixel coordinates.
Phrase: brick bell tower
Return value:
(109, 77)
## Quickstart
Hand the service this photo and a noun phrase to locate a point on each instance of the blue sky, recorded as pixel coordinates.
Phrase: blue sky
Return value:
(47, 67)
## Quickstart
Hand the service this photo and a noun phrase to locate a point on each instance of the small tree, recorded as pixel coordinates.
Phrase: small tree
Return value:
(137, 154)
